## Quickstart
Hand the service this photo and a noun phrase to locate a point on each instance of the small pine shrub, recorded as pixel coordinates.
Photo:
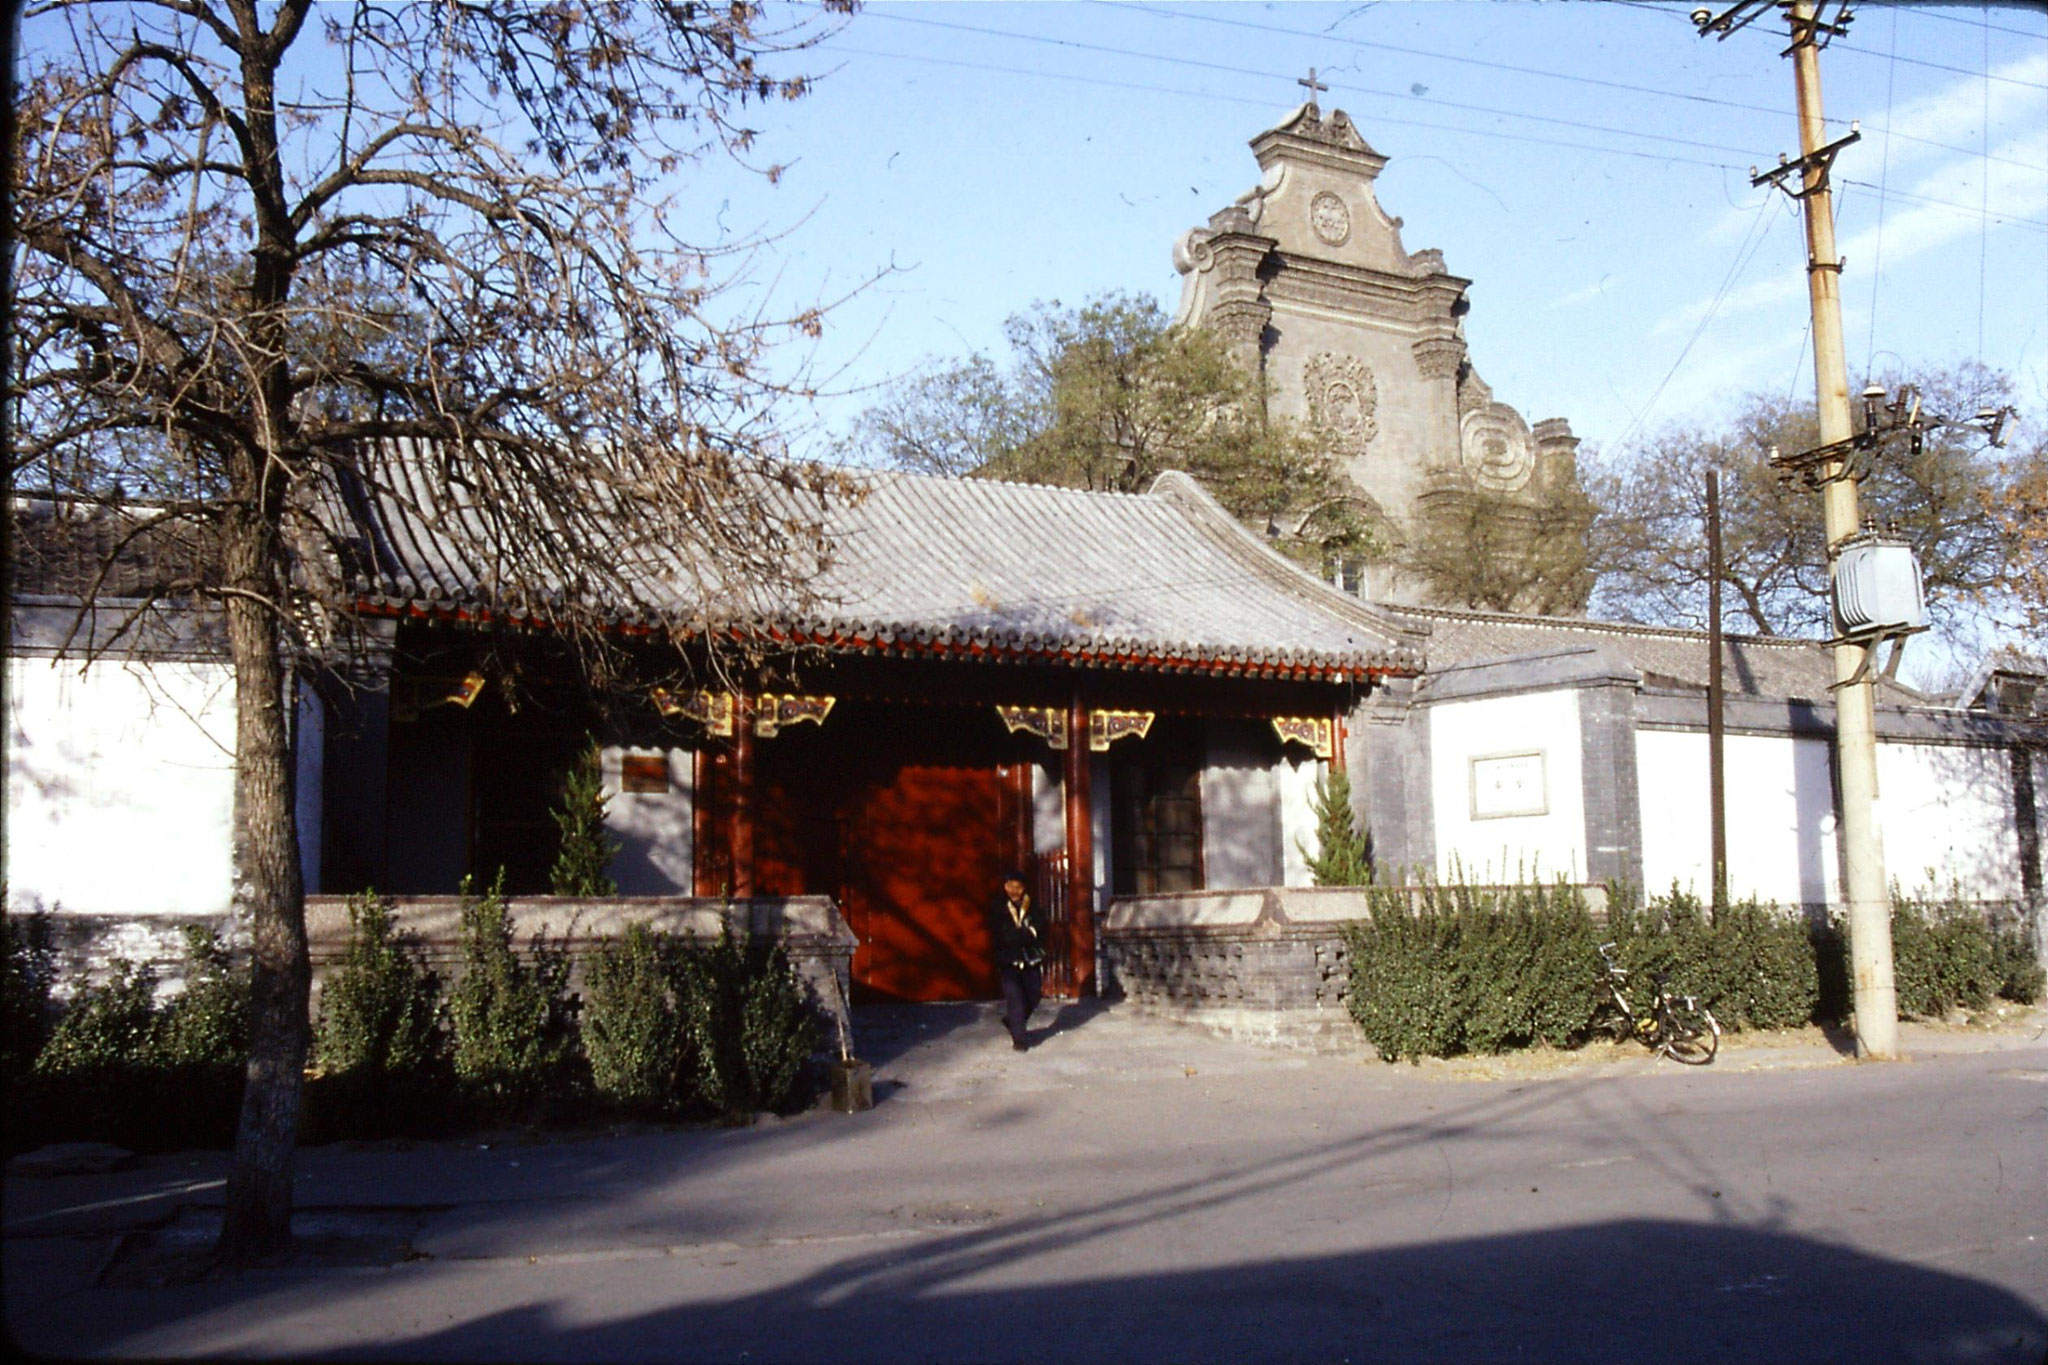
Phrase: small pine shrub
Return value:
(379, 1045)
(513, 1021)
(1343, 853)
(586, 849)
(632, 1033)
(748, 1025)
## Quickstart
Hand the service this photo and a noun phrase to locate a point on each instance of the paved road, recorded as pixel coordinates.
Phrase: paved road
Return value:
(1131, 1190)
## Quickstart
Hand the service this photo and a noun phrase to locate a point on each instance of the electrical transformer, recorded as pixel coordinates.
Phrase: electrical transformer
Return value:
(1877, 586)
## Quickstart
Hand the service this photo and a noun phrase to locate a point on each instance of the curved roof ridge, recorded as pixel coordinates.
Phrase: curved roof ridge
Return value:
(1186, 495)
(1594, 623)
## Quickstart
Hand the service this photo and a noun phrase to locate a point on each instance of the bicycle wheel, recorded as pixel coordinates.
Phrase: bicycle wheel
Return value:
(1690, 1034)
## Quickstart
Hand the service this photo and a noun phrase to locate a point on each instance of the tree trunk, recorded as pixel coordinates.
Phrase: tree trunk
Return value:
(269, 890)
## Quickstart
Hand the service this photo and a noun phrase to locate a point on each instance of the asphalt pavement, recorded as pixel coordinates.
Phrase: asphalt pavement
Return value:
(1134, 1189)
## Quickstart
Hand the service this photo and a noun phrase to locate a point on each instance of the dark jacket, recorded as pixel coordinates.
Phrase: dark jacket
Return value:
(1016, 945)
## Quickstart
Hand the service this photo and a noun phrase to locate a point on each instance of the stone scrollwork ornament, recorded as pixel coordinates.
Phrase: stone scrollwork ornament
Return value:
(1343, 399)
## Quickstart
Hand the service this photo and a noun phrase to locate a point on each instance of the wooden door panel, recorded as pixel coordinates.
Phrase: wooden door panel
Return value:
(929, 843)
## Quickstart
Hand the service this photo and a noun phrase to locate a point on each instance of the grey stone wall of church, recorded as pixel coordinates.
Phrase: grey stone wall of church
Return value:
(1612, 791)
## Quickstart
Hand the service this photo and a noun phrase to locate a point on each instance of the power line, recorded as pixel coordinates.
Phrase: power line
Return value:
(1971, 209)
(1169, 59)
(1752, 242)
(1672, 158)
(1678, 9)
(1929, 12)
(1884, 167)
(1240, 71)
(1037, 74)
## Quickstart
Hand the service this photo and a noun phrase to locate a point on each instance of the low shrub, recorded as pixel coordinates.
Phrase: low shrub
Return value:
(632, 1031)
(120, 1068)
(2016, 965)
(380, 1050)
(747, 1025)
(1406, 987)
(1440, 970)
(27, 982)
(1946, 955)
(513, 1020)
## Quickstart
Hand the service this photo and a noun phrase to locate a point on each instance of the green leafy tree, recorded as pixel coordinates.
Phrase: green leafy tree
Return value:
(1343, 852)
(587, 850)
(1108, 396)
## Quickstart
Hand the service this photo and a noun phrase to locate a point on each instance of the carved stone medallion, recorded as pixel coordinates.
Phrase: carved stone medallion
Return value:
(1330, 219)
(1497, 449)
(1343, 398)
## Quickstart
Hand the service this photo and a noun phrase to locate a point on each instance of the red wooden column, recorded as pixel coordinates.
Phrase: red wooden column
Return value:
(1080, 852)
(742, 796)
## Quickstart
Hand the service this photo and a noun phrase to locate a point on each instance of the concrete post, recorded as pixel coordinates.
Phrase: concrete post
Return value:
(1870, 933)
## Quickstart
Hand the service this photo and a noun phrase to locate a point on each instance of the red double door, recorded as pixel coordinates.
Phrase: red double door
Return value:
(908, 816)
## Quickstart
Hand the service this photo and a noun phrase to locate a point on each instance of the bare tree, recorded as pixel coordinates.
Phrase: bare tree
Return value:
(275, 259)
(1497, 551)
(1959, 501)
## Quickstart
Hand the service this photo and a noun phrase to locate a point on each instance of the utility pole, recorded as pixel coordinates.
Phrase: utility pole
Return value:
(1870, 929)
(1717, 701)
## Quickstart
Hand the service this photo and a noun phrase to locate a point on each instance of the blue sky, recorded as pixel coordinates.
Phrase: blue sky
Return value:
(1586, 165)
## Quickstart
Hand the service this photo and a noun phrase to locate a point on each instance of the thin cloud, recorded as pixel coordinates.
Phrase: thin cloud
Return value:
(1910, 228)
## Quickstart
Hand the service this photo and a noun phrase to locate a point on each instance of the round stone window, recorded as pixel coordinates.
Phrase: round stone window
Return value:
(1330, 219)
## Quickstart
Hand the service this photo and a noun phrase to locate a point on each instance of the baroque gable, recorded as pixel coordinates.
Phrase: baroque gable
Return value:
(1307, 276)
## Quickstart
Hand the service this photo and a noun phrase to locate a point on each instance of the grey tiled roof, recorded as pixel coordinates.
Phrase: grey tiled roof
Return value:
(1755, 665)
(978, 568)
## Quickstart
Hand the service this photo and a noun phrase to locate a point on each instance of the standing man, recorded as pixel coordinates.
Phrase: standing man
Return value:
(1017, 929)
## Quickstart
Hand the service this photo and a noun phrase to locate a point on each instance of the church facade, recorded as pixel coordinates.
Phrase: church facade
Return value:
(1306, 277)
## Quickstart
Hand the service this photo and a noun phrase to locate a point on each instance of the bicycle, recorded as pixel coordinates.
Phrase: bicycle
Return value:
(1679, 1027)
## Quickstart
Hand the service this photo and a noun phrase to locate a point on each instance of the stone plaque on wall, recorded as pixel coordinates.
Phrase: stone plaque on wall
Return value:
(1508, 784)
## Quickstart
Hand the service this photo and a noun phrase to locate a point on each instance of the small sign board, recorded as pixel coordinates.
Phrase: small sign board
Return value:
(644, 773)
(1508, 784)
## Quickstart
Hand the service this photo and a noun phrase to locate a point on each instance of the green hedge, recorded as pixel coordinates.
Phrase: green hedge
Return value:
(1443, 969)
(668, 1029)
(121, 1067)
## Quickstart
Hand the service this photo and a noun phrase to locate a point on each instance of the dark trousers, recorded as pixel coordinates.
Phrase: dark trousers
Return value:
(1022, 987)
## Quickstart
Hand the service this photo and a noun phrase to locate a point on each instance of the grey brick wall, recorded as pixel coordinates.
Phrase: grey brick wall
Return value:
(1614, 812)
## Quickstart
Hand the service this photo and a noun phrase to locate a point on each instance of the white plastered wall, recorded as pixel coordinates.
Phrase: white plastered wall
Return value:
(1781, 816)
(1297, 778)
(1549, 838)
(1947, 815)
(120, 787)
(655, 830)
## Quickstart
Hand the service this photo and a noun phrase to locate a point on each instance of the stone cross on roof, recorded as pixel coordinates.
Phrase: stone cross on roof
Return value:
(1313, 85)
